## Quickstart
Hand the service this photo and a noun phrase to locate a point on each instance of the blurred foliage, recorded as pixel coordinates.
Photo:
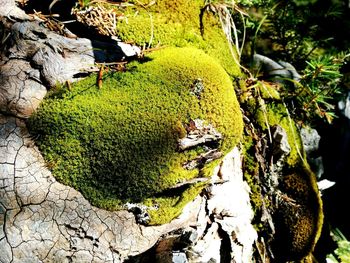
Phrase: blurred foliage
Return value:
(342, 253)
(297, 31)
(315, 95)
(312, 35)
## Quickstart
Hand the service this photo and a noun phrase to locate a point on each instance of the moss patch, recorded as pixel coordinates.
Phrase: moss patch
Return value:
(299, 219)
(171, 206)
(119, 143)
(177, 23)
(298, 216)
(251, 172)
(274, 113)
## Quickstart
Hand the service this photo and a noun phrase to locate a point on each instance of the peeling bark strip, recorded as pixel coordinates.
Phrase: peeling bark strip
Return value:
(203, 159)
(198, 133)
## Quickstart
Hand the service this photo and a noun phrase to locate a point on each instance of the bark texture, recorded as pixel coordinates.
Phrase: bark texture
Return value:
(35, 58)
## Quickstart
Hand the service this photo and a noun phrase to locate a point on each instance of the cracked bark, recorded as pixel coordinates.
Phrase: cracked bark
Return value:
(53, 221)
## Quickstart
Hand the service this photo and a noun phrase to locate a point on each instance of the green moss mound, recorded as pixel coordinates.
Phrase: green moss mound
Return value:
(119, 143)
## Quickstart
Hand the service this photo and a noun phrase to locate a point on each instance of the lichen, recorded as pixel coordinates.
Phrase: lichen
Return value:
(119, 143)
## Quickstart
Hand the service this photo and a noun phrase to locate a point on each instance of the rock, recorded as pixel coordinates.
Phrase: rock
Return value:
(280, 145)
(344, 106)
(277, 70)
(316, 165)
(179, 257)
(311, 141)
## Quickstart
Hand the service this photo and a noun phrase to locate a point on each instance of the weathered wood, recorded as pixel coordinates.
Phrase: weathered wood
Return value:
(11, 11)
(203, 159)
(197, 134)
(35, 58)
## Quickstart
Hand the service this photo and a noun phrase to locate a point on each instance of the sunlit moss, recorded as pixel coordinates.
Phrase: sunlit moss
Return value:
(119, 143)
(275, 113)
(177, 23)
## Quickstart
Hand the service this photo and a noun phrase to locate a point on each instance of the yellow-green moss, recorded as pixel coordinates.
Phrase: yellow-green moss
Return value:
(119, 143)
(275, 113)
(177, 23)
(251, 172)
(269, 91)
(171, 206)
(299, 215)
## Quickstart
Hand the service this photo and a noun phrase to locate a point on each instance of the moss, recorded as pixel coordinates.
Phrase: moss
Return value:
(171, 206)
(269, 91)
(299, 219)
(177, 23)
(276, 114)
(119, 143)
(251, 173)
